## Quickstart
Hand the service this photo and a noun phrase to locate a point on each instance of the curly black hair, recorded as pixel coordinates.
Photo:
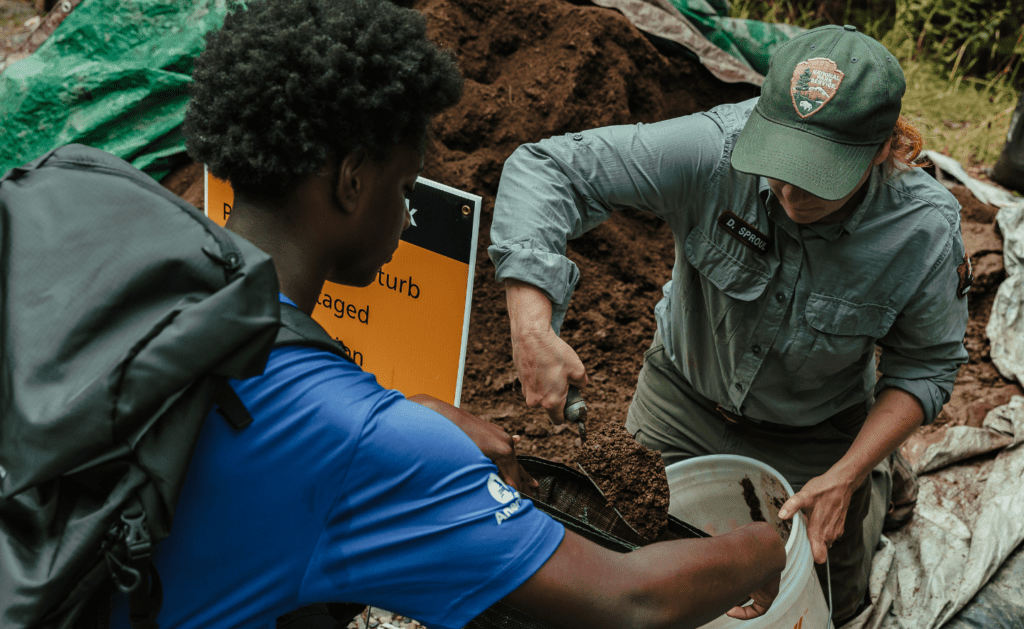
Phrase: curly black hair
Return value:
(284, 82)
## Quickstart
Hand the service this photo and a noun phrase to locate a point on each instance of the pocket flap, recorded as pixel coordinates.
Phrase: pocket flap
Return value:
(833, 315)
(731, 276)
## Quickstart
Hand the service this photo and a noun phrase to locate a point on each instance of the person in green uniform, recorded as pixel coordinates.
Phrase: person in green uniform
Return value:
(805, 238)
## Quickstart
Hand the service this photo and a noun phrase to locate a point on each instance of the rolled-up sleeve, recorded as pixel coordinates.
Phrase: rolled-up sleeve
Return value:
(924, 349)
(559, 188)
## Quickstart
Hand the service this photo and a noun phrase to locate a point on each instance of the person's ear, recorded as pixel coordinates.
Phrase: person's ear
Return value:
(882, 153)
(351, 179)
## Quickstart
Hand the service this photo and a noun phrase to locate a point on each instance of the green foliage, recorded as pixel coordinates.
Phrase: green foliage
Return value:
(978, 39)
(963, 60)
(965, 119)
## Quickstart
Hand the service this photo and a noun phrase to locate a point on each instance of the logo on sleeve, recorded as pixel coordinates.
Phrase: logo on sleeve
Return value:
(814, 83)
(966, 274)
(745, 232)
(505, 495)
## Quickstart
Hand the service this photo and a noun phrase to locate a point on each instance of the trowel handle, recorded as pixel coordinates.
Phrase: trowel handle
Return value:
(576, 410)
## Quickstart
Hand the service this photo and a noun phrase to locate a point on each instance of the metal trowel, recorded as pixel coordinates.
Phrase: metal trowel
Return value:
(576, 411)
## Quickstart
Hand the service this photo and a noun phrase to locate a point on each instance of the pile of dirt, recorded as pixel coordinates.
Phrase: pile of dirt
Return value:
(630, 475)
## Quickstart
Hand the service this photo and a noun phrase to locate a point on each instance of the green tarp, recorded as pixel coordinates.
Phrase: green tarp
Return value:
(750, 41)
(114, 75)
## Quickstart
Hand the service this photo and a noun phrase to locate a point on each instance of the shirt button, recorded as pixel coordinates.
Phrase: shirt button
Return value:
(756, 349)
(739, 387)
(780, 297)
(577, 136)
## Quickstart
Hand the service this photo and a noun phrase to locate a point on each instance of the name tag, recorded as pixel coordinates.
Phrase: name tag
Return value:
(745, 232)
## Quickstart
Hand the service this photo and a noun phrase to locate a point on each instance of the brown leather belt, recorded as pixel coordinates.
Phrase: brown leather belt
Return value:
(841, 417)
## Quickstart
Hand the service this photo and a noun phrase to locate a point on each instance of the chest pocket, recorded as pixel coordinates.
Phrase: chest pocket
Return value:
(838, 334)
(725, 286)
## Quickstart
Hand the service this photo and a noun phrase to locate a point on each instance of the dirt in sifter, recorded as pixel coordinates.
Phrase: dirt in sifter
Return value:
(631, 476)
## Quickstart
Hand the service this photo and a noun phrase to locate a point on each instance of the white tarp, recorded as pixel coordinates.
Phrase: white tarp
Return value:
(969, 518)
(1006, 323)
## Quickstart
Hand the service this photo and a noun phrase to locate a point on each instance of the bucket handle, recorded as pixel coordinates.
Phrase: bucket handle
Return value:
(828, 581)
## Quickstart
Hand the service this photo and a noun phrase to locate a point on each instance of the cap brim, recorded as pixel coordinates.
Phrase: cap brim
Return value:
(822, 167)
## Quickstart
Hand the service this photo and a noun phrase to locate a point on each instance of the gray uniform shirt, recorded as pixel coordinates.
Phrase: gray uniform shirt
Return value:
(770, 319)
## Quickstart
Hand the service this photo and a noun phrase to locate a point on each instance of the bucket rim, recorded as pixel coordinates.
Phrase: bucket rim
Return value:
(798, 528)
(734, 458)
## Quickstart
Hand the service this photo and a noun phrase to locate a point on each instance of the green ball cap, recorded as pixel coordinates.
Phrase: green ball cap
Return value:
(831, 98)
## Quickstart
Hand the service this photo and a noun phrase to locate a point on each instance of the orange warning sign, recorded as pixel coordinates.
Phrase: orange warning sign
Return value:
(409, 327)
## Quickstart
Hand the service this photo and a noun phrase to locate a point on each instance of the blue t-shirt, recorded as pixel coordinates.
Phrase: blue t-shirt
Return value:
(341, 490)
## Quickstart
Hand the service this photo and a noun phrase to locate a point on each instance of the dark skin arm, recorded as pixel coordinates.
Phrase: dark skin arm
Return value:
(671, 584)
(496, 444)
(678, 584)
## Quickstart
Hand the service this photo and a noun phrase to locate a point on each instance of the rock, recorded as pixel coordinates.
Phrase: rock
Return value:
(537, 430)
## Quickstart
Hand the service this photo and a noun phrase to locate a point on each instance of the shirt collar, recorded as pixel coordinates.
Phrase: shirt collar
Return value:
(828, 232)
(775, 213)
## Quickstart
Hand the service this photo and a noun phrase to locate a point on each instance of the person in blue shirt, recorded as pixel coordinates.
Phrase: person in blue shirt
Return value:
(317, 112)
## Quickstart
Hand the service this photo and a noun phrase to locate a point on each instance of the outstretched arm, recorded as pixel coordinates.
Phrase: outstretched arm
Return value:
(684, 583)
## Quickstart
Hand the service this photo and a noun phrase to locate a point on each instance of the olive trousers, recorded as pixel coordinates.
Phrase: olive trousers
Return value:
(667, 415)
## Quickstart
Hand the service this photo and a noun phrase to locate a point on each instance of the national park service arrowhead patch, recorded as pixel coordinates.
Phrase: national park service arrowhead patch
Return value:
(966, 274)
(814, 83)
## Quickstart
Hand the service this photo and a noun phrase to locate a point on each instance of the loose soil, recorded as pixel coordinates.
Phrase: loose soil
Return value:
(535, 69)
(630, 475)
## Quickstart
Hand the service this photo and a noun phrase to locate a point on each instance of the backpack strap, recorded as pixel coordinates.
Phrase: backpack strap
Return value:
(298, 328)
(230, 406)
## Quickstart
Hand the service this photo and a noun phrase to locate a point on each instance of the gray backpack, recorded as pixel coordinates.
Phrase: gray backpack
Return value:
(123, 311)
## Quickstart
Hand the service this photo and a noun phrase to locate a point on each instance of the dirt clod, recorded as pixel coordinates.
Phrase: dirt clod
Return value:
(750, 497)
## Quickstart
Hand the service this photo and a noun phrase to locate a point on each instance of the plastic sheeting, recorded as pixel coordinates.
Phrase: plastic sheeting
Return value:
(735, 51)
(1000, 604)
(114, 75)
(969, 519)
(1006, 324)
(751, 41)
(955, 565)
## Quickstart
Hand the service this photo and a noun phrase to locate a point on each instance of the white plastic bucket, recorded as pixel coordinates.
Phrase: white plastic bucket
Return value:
(709, 492)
